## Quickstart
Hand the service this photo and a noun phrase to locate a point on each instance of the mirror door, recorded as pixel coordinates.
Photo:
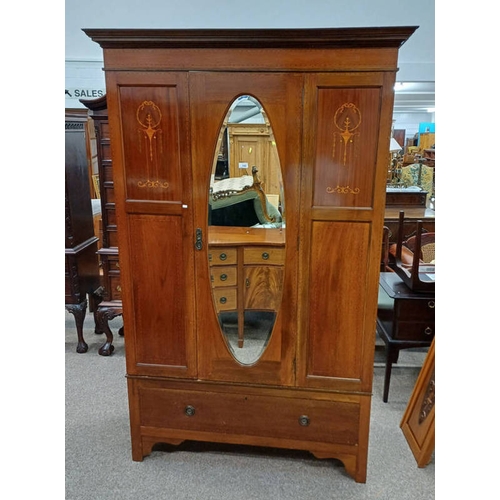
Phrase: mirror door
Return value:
(245, 140)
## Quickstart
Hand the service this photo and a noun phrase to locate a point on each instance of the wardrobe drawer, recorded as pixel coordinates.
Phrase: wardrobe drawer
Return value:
(264, 255)
(251, 415)
(410, 330)
(222, 256)
(225, 299)
(223, 276)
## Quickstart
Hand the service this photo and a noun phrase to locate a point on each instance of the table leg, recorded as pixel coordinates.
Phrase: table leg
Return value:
(392, 355)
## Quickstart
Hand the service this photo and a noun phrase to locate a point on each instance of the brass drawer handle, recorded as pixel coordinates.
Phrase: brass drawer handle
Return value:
(265, 256)
(431, 304)
(304, 420)
(223, 277)
(117, 264)
(247, 282)
(428, 330)
(189, 411)
(222, 256)
(118, 288)
(223, 300)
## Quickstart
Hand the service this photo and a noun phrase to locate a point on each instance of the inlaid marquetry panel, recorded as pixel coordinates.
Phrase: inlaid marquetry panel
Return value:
(150, 120)
(346, 146)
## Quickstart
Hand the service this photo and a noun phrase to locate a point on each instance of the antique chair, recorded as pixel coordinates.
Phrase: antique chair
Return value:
(241, 201)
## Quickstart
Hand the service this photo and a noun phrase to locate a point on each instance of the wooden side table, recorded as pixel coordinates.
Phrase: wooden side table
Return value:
(405, 319)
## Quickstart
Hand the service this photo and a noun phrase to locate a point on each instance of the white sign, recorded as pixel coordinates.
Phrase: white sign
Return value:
(84, 93)
(242, 165)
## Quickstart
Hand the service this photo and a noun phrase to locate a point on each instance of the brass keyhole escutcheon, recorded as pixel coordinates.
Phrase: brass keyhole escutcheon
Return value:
(304, 420)
(189, 410)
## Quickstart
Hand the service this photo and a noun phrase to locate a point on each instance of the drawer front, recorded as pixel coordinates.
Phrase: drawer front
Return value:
(104, 130)
(264, 255)
(251, 415)
(217, 256)
(225, 299)
(415, 309)
(223, 276)
(106, 150)
(410, 330)
(263, 287)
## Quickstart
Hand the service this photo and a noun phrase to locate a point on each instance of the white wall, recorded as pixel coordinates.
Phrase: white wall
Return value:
(83, 56)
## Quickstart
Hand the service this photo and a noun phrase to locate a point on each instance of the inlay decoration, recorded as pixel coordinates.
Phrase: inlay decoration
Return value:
(347, 120)
(149, 117)
(428, 401)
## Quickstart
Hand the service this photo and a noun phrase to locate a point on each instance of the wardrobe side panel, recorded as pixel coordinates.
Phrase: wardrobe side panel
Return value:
(337, 298)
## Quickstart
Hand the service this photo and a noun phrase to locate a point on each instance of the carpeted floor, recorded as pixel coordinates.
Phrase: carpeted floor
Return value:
(99, 464)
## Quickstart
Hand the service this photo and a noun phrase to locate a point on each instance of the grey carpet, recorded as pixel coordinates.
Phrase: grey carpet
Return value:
(98, 455)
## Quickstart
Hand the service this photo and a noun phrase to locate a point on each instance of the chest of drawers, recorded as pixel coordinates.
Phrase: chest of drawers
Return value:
(405, 319)
(246, 270)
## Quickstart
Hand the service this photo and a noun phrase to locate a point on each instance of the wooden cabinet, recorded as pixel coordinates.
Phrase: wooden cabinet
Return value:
(328, 95)
(111, 305)
(81, 263)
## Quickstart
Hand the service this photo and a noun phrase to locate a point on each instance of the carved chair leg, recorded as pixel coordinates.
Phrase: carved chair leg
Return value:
(105, 313)
(79, 311)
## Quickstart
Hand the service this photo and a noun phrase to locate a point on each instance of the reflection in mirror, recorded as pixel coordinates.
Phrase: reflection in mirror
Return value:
(246, 234)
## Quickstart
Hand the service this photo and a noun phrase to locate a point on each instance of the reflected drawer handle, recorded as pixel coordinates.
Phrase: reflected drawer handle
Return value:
(118, 288)
(304, 420)
(265, 256)
(222, 256)
(223, 300)
(431, 304)
(189, 410)
(223, 277)
(117, 265)
(428, 330)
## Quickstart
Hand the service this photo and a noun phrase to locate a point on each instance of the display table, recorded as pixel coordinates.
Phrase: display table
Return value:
(405, 319)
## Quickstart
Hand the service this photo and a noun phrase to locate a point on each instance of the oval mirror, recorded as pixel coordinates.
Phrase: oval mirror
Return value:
(246, 230)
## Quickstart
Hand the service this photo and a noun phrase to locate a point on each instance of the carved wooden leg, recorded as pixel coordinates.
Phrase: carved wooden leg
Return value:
(79, 311)
(106, 312)
(96, 298)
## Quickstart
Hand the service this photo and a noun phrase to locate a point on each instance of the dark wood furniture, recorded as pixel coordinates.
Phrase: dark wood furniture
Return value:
(328, 94)
(81, 262)
(111, 306)
(411, 216)
(418, 422)
(402, 198)
(405, 319)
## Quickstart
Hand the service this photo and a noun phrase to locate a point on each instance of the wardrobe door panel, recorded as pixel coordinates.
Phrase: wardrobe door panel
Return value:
(149, 124)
